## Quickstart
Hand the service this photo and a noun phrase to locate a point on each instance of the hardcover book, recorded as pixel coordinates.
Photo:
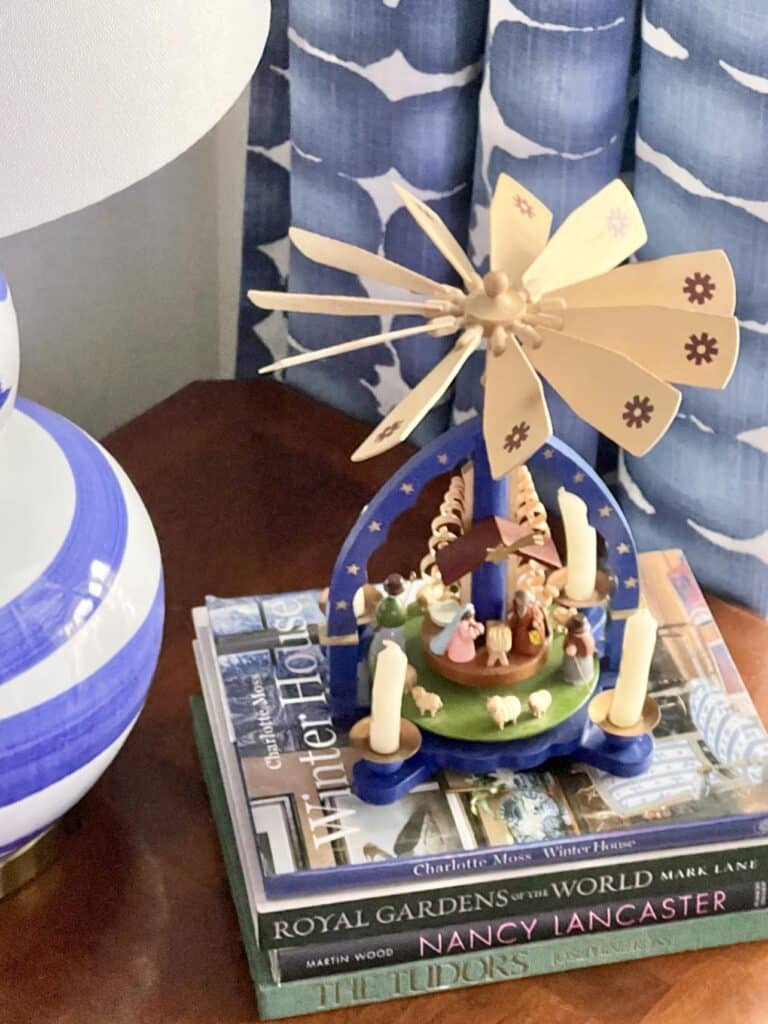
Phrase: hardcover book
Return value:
(309, 833)
(394, 980)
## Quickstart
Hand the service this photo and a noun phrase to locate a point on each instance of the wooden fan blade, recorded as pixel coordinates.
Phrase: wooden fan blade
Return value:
(608, 390)
(435, 229)
(515, 416)
(520, 225)
(445, 324)
(343, 256)
(597, 236)
(398, 423)
(675, 344)
(691, 280)
(344, 305)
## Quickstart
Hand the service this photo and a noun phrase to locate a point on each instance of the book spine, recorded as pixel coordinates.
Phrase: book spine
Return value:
(435, 906)
(630, 842)
(375, 984)
(429, 943)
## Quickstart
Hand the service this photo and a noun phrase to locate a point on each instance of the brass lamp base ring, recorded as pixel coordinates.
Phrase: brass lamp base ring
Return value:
(31, 860)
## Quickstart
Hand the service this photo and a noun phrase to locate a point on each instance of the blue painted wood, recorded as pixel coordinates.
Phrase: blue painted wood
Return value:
(489, 498)
(597, 616)
(577, 738)
(366, 536)
(401, 491)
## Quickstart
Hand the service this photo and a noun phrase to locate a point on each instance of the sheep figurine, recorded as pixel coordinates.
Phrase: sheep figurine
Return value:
(538, 702)
(504, 709)
(427, 703)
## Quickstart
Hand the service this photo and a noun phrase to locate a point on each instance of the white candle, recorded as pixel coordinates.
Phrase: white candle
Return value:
(358, 603)
(632, 682)
(387, 698)
(581, 547)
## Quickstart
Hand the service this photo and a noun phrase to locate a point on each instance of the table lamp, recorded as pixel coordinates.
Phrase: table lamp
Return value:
(94, 98)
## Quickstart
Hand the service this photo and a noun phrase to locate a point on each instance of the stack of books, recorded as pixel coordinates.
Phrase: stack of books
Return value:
(473, 879)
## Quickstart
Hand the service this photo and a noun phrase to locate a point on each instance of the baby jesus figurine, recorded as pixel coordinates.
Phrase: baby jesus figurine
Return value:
(457, 640)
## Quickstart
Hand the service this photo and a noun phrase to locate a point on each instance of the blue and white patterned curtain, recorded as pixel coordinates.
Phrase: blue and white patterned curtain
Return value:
(442, 96)
(701, 182)
(379, 93)
(262, 335)
(553, 114)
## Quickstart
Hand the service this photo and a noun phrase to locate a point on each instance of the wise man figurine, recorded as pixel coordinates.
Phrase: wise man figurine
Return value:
(391, 614)
(528, 623)
(578, 650)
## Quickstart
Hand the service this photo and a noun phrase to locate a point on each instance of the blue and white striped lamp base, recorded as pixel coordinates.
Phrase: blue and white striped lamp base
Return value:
(81, 616)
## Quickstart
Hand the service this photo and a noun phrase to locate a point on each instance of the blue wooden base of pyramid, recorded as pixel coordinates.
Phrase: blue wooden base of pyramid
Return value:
(576, 738)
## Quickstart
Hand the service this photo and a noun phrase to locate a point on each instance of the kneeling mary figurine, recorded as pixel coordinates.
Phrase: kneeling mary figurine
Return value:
(457, 640)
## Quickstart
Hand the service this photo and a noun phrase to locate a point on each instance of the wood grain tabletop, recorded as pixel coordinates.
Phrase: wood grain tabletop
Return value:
(251, 490)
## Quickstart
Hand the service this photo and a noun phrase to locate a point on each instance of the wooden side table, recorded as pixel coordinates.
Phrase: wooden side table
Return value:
(134, 924)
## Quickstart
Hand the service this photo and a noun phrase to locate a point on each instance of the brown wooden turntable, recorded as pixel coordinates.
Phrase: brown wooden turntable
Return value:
(476, 672)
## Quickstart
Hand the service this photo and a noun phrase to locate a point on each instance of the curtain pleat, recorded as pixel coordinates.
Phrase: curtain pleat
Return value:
(701, 182)
(263, 336)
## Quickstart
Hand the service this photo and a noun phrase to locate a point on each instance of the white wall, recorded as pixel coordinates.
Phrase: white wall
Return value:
(121, 304)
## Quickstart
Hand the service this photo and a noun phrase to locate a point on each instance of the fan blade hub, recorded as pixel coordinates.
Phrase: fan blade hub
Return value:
(495, 283)
(501, 310)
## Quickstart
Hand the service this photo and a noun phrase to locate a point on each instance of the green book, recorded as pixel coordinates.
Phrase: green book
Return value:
(392, 982)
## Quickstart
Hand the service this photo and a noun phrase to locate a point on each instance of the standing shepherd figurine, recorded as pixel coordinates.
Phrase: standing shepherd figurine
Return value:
(528, 623)
(578, 650)
(457, 639)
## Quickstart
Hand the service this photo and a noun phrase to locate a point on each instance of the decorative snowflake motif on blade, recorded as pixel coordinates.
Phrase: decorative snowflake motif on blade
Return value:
(524, 206)
(701, 348)
(517, 436)
(637, 412)
(389, 431)
(699, 288)
(617, 222)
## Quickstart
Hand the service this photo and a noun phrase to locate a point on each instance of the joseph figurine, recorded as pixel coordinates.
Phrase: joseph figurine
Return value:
(528, 623)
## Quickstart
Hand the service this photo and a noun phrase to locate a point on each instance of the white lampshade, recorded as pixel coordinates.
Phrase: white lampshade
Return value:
(97, 95)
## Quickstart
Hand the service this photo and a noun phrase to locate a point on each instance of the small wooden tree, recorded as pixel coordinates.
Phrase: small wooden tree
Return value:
(530, 512)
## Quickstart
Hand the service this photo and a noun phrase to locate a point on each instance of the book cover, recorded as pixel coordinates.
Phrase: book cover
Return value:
(707, 782)
(390, 982)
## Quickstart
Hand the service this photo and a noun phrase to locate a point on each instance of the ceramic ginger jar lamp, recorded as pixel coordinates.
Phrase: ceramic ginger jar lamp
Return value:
(81, 606)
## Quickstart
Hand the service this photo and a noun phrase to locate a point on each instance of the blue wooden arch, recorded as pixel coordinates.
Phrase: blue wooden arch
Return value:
(401, 491)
